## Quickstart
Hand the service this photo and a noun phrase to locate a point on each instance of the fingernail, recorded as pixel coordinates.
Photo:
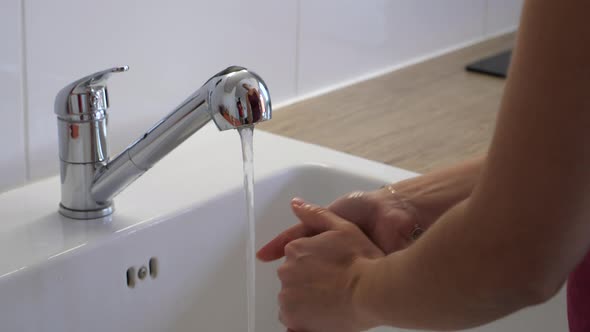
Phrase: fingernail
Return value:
(297, 202)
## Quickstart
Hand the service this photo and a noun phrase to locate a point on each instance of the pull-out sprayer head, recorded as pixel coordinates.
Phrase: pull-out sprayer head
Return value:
(238, 98)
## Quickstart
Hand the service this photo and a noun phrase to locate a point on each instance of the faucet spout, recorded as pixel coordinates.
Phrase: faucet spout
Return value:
(232, 98)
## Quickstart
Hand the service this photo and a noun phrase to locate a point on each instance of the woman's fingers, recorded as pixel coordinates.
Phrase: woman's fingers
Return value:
(316, 218)
(275, 249)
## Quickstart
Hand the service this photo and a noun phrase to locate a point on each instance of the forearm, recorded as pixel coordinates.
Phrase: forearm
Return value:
(434, 193)
(451, 279)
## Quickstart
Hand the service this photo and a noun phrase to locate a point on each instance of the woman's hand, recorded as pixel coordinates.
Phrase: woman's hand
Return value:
(393, 216)
(386, 219)
(320, 274)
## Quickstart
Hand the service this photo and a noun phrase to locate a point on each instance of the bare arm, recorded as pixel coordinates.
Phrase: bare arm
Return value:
(513, 242)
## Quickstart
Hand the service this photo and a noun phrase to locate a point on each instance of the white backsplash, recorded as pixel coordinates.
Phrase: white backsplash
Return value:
(341, 40)
(502, 15)
(12, 128)
(298, 46)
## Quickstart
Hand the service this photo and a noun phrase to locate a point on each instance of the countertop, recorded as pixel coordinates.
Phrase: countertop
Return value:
(422, 117)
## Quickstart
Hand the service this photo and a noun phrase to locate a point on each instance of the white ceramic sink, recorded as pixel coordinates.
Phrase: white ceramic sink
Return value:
(189, 214)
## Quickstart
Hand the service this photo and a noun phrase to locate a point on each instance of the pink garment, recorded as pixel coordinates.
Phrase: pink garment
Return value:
(578, 297)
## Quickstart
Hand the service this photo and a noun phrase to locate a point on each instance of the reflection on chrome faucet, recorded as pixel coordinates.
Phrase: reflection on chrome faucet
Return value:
(254, 103)
(233, 98)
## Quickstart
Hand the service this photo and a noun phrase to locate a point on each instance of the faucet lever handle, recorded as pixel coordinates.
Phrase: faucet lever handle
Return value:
(86, 95)
(97, 79)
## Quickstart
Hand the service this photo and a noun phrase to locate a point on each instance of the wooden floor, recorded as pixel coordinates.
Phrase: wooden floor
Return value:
(422, 117)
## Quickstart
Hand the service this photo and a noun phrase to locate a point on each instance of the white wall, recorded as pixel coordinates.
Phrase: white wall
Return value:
(12, 125)
(298, 46)
(501, 15)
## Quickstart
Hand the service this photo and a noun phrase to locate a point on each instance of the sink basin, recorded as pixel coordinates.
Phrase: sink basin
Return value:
(182, 227)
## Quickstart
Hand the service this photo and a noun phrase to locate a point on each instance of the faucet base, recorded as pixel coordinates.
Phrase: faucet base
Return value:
(86, 214)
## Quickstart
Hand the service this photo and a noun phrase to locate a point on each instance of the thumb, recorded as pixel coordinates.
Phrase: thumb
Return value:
(316, 218)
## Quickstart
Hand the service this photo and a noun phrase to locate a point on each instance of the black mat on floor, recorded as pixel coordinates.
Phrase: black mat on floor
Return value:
(495, 65)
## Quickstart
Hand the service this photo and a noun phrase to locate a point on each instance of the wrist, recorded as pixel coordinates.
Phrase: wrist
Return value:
(435, 193)
(411, 199)
(431, 195)
(417, 199)
(367, 292)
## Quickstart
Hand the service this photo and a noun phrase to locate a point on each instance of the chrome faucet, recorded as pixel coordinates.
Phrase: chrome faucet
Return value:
(233, 98)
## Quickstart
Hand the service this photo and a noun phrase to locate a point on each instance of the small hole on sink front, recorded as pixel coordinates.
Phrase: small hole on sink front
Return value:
(142, 273)
(153, 265)
(131, 277)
